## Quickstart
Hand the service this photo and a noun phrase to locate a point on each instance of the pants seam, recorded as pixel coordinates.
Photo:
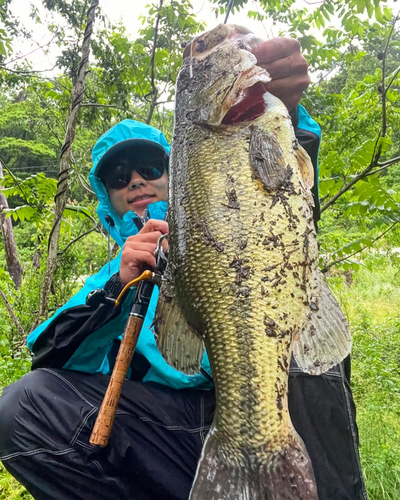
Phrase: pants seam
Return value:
(83, 423)
(87, 446)
(35, 452)
(202, 418)
(108, 478)
(69, 385)
(326, 374)
(175, 427)
(353, 434)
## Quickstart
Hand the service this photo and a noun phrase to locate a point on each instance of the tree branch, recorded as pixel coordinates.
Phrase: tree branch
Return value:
(356, 178)
(12, 314)
(397, 71)
(77, 239)
(384, 89)
(31, 52)
(384, 166)
(80, 211)
(65, 158)
(16, 181)
(152, 74)
(98, 105)
(377, 150)
(327, 267)
(26, 72)
(389, 162)
(10, 248)
(84, 184)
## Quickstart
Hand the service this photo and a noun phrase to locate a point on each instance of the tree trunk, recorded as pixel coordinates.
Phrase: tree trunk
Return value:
(12, 314)
(10, 248)
(65, 158)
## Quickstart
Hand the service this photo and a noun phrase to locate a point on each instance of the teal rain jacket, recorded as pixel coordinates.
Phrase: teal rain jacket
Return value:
(91, 355)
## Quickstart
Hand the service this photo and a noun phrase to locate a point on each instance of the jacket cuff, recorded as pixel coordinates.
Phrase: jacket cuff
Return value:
(294, 115)
(114, 286)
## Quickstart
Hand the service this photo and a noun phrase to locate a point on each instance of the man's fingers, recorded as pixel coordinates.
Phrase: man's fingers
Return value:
(136, 259)
(154, 225)
(141, 246)
(289, 66)
(288, 86)
(291, 100)
(275, 49)
(151, 237)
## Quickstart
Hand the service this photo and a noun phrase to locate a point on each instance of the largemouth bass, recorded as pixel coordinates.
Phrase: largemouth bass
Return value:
(242, 275)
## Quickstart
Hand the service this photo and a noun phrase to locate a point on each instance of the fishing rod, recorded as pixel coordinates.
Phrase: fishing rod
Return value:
(228, 11)
(105, 418)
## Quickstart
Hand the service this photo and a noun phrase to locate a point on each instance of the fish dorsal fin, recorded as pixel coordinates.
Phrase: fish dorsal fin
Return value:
(177, 341)
(268, 160)
(305, 166)
(324, 340)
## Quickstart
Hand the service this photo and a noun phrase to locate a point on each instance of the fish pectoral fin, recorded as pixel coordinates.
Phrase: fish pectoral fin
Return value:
(177, 341)
(268, 160)
(324, 340)
(306, 167)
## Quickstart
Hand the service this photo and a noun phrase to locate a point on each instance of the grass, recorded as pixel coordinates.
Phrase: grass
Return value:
(10, 488)
(372, 304)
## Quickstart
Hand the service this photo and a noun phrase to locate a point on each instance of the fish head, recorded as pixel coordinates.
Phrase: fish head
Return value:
(220, 80)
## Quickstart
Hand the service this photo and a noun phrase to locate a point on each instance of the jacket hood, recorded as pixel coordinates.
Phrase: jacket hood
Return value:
(128, 131)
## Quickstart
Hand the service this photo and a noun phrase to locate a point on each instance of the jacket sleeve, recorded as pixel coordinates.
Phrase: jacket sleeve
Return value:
(308, 133)
(81, 333)
(64, 334)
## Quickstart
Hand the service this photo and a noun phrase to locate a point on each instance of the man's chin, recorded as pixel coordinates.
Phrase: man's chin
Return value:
(140, 207)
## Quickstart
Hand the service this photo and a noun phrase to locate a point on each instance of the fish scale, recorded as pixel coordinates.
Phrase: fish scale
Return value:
(242, 274)
(208, 202)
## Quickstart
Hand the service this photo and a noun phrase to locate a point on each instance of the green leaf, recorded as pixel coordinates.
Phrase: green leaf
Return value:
(392, 95)
(387, 13)
(379, 14)
(384, 143)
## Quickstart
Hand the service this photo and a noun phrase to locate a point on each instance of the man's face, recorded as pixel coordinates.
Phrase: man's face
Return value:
(138, 194)
(134, 179)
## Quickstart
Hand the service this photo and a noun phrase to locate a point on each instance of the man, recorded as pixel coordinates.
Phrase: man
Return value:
(163, 416)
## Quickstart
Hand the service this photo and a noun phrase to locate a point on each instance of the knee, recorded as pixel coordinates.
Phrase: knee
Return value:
(17, 407)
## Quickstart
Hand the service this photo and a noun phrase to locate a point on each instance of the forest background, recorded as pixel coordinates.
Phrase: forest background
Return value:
(353, 51)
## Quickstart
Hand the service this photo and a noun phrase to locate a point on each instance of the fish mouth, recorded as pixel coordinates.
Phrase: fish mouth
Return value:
(249, 106)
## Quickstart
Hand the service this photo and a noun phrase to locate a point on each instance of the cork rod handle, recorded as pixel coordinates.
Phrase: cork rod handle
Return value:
(105, 419)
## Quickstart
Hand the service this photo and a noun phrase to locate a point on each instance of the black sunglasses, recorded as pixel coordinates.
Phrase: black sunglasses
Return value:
(119, 172)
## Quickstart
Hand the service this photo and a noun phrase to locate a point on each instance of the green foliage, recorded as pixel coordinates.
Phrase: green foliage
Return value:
(372, 303)
(10, 488)
(355, 100)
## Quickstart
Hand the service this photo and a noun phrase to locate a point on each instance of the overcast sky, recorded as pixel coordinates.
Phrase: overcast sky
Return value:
(129, 11)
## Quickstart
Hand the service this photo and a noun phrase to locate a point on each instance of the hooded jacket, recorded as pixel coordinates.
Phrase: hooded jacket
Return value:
(81, 336)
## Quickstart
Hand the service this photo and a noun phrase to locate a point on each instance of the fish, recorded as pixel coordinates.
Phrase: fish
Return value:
(242, 279)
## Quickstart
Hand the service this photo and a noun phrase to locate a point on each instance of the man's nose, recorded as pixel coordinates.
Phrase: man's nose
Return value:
(136, 180)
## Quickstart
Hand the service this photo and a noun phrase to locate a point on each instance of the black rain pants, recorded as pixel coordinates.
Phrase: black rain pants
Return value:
(47, 416)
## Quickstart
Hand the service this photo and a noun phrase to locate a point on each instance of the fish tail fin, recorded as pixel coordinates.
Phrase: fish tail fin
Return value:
(283, 475)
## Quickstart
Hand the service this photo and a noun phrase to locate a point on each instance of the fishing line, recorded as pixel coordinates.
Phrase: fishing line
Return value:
(191, 61)
(228, 10)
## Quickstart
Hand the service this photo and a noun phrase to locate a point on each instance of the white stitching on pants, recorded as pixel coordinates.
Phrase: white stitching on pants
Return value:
(83, 423)
(69, 384)
(87, 446)
(174, 427)
(35, 452)
(108, 478)
(326, 374)
(354, 435)
(202, 418)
